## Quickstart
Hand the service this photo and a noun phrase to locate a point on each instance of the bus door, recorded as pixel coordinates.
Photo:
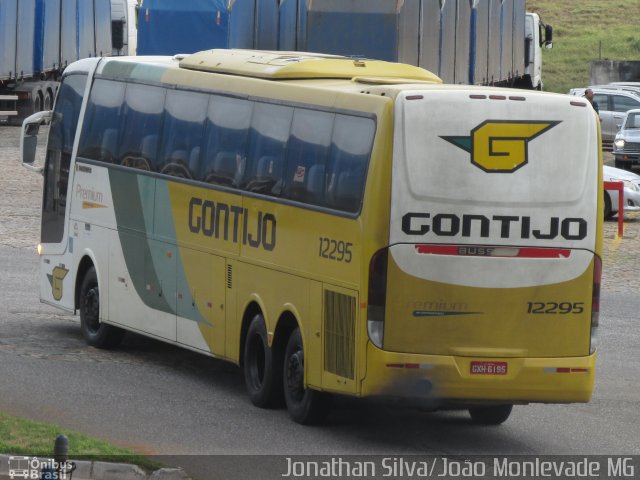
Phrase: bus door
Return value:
(57, 244)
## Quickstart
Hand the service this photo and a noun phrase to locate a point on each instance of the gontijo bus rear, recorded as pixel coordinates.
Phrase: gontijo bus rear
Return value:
(488, 289)
(335, 226)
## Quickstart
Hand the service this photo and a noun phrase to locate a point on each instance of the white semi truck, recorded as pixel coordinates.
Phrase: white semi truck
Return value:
(39, 38)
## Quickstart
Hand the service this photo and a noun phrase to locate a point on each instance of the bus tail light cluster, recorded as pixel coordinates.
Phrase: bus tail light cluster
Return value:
(377, 296)
(595, 302)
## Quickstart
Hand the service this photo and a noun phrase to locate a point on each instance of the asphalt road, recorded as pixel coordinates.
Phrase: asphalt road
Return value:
(162, 400)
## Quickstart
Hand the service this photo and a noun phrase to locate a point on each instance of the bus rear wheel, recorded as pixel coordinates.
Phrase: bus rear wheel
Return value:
(492, 415)
(95, 333)
(262, 373)
(305, 406)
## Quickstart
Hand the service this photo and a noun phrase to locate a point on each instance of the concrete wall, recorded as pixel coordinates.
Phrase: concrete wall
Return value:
(605, 71)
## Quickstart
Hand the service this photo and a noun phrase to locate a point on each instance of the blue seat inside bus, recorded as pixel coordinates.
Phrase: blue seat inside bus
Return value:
(109, 146)
(268, 176)
(225, 169)
(345, 187)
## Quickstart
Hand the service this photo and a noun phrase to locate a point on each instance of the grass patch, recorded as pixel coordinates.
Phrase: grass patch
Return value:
(27, 437)
(586, 30)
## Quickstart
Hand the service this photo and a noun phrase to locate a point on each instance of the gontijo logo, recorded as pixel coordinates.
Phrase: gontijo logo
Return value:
(500, 146)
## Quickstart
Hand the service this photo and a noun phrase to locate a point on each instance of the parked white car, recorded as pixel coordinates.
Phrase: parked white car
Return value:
(631, 191)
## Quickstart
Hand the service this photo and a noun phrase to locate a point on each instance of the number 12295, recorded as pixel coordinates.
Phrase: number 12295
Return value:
(337, 250)
(561, 308)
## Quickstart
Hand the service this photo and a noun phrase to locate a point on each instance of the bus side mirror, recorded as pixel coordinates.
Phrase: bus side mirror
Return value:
(548, 36)
(118, 31)
(29, 139)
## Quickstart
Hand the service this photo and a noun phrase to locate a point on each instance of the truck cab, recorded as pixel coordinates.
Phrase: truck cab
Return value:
(537, 35)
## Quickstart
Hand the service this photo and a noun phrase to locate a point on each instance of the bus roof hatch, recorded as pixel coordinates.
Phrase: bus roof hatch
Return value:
(300, 65)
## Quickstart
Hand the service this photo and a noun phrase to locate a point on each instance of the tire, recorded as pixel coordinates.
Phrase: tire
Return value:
(622, 165)
(607, 207)
(48, 101)
(305, 406)
(36, 100)
(95, 333)
(493, 415)
(262, 370)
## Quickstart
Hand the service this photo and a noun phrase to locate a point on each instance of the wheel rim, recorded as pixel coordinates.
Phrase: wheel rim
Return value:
(256, 362)
(91, 309)
(295, 374)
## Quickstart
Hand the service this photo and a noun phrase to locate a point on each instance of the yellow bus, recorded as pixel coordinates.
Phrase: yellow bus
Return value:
(333, 225)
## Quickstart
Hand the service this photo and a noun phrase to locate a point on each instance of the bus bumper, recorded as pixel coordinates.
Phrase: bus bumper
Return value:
(449, 379)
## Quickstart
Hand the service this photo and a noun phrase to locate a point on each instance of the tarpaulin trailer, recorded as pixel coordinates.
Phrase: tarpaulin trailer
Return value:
(175, 26)
(463, 41)
(38, 39)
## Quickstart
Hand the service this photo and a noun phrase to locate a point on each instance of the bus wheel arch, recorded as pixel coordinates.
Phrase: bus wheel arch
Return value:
(287, 323)
(250, 311)
(96, 333)
(83, 267)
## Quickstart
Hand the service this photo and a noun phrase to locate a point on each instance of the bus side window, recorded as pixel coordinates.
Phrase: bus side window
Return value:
(227, 129)
(185, 113)
(144, 108)
(307, 156)
(99, 139)
(350, 152)
(267, 143)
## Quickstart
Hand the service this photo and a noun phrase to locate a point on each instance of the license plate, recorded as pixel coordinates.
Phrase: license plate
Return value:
(488, 368)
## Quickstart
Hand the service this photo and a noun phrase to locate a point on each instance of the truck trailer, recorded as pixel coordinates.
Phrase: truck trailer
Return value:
(477, 42)
(38, 39)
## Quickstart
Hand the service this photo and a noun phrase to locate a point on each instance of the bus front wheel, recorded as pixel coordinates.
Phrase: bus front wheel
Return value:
(262, 373)
(95, 333)
(492, 415)
(306, 406)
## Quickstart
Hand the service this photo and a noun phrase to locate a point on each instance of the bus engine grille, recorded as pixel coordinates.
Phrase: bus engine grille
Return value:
(340, 329)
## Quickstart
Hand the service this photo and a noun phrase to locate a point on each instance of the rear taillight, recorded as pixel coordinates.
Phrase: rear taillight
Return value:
(377, 296)
(595, 302)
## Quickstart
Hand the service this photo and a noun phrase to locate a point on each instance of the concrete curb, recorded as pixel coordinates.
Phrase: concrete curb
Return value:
(86, 470)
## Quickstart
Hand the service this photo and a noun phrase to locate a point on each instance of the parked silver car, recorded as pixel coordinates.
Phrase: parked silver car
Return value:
(613, 103)
(631, 200)
(626, 145)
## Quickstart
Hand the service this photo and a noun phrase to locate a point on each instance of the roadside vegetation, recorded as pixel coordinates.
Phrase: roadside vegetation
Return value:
(586, 30)
(20, 436)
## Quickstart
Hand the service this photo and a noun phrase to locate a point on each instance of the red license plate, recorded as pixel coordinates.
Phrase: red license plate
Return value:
(488, 368)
